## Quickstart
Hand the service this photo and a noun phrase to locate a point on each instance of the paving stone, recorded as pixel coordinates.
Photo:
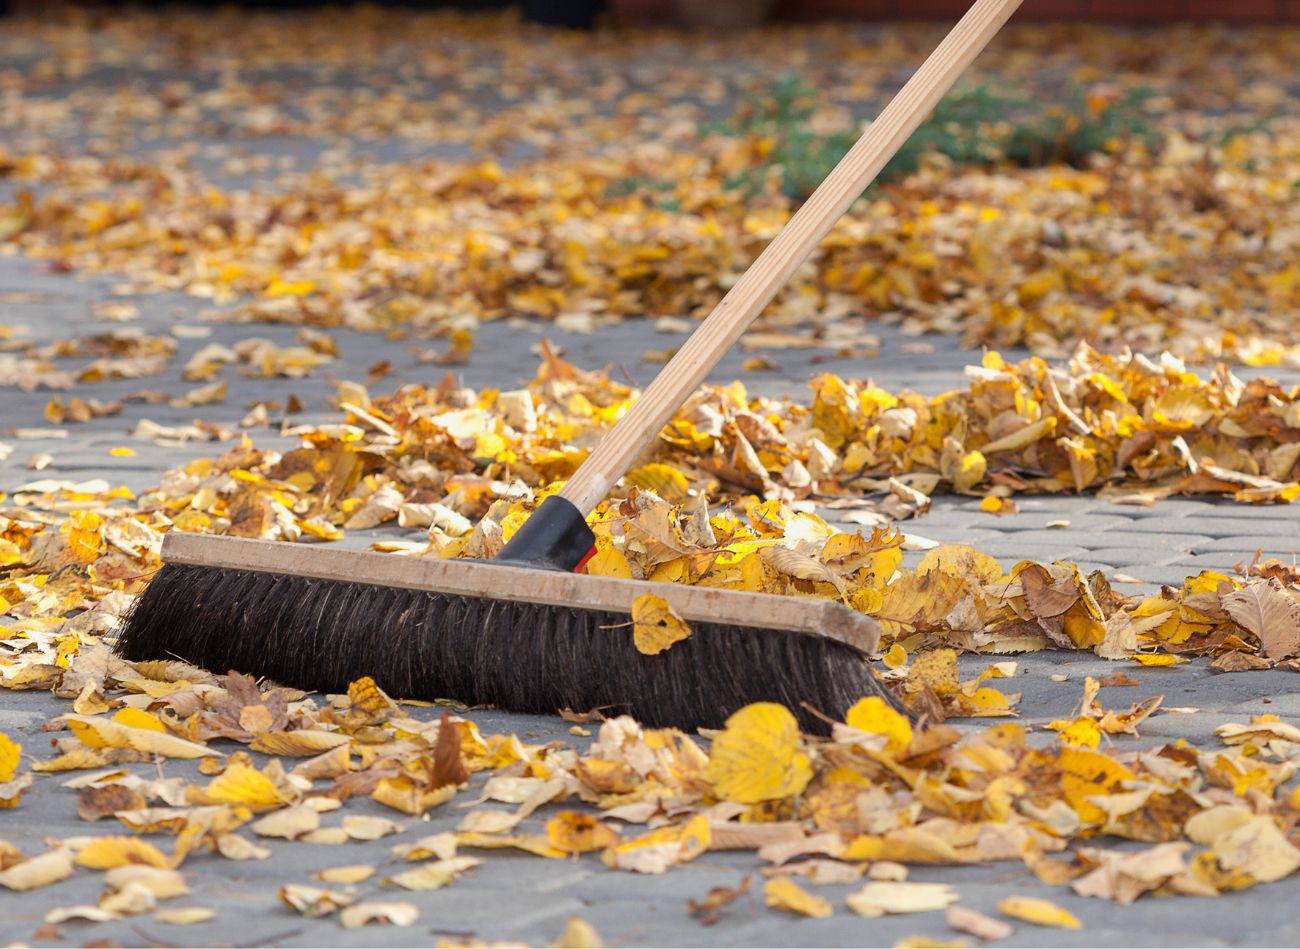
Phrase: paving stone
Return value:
(1271, 544)
(1219, 523)
(1138, 557)
(1129, 538)
(1082, 522)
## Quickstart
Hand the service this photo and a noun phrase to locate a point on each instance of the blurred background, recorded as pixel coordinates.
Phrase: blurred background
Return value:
(731, 14)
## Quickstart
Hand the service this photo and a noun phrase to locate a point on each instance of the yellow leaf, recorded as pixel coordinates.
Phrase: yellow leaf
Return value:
(896, 657)
(757, 757)
(1084, 732)
(575, 832)
(184, 915)
(936, 670)
(435, 874)
(529, 843)
(83, 535)
(1158, 659)
(348, 873)
(383, 914)
(97, 732)
(880, 897)
(959, 560)
(289, 288)
(1024, 437)
(104, 853)
(655, 625)
(303, 742)
(784, 893)
(1039, 912)
(135, 718)
(403, 794)
(244, 784)
(664, 480)
(660, 849)
(10, 753)
(41, 870)
(289, 823)
(999, 506)
(970, 471)
(873, 715)
(609, 562)
(578, 934)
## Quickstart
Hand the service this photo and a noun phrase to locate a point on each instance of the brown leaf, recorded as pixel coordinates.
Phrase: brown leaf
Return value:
(707, 909)
(1268, 611)
(1046, 595)
(1239, 662)
(448, 764)
(106, 800)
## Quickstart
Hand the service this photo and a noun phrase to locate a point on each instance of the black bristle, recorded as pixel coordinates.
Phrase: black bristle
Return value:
(522, 657)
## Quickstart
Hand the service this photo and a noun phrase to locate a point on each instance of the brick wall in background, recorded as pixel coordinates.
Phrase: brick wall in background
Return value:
(1114, 11)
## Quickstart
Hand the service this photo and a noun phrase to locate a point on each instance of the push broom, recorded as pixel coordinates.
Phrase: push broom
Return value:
(523, 631)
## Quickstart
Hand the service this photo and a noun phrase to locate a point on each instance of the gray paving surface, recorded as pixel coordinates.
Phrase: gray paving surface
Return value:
(521, 898)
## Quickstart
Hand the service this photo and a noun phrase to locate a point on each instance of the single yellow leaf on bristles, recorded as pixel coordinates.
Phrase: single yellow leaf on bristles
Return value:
(1039, 912)
(784, 893)
(758, 756)
(10, 753)
(655, 625)
(104, 853)
(873, 715)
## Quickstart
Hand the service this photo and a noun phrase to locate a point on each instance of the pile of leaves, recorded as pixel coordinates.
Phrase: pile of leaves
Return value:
(460, 470)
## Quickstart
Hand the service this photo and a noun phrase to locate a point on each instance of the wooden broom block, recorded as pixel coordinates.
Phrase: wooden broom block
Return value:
(485, 579)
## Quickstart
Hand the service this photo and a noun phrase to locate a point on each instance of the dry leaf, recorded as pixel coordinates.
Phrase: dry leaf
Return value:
(433, 875)
(656, 625)
(758, 757)
(1039, 912)
(184, 915)
(976, 924)
(878, 899)
(382, 914)
(784, 893)
(1268, 611)
(38, 871)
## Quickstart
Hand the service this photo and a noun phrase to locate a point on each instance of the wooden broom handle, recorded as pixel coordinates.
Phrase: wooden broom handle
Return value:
(634, 432)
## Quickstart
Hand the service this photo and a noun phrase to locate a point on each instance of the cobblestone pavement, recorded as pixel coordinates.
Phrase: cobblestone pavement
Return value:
(517, 897)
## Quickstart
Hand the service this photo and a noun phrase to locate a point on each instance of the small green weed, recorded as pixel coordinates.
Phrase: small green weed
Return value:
(977, 125)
